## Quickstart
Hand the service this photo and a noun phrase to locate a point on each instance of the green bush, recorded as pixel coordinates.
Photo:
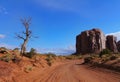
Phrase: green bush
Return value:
(32, 53)
(79, 57)
(16, 59)
(51, 54)
(70, 57)
(6, 58)
(4, 48)
(104, 51)
(88, 59)
(49, 59)
(16, 49)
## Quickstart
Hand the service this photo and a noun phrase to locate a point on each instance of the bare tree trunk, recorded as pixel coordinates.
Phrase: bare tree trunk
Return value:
(27, 35)
(23, 47)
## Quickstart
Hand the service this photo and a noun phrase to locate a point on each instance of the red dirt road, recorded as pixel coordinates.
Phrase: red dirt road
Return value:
(70, 72)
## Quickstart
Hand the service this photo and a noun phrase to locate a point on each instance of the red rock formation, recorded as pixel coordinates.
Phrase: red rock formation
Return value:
(92, 41)
(118, 46)
(111, 43)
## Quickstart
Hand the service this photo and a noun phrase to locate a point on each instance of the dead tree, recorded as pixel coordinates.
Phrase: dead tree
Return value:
(25, 35)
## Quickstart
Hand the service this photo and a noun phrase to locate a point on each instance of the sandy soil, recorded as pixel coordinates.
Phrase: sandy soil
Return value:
(70, 71)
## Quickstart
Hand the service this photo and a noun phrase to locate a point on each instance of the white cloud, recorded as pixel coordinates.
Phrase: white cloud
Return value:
(65, 5)
(2, 36)
(116, 34)
(7, 46)
(81, 7)
(59, 51)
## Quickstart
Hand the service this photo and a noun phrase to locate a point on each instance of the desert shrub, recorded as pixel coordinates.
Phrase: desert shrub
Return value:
(28, 68)
(106, 58)
(3, 48)
(70, 57)
(88, 59)
(16, 49)
(32, 53)
(3, 51)
(9, 57)
(49, 60)
(113, 57)
(61, 57)
(104, 51)
(79, 57)
(16, 59)
(6, 58)
(51, 54)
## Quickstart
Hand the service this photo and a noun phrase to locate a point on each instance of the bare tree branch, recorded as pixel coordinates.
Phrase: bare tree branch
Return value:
(20, 37)
(27, 34)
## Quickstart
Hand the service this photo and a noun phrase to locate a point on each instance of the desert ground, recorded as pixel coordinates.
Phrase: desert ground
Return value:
(52, 68)
(69, 71)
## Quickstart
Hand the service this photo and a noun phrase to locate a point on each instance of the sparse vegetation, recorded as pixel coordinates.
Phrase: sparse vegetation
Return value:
(51, 54)
(9, 57)
(3, 50)
(72, 57)
(87, 60)
(6, 58)
(32, 53)
(16, 59)
(113, 57)
(49, 59)
(16, 49)
(104, 51)
(28, 68)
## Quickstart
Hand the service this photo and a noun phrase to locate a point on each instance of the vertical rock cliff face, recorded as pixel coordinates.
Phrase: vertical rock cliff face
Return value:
(92, 41)
(82, 42)
(118, 46)
(111, 43)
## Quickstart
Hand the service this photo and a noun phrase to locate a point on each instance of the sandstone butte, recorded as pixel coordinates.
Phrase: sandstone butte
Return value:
(94, 41)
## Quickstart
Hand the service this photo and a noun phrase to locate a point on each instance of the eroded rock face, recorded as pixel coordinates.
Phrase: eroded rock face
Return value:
(118, 46)
(91, 41)
(111, 43)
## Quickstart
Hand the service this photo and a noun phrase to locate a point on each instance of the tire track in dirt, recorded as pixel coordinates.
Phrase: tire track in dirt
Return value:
(72, 72)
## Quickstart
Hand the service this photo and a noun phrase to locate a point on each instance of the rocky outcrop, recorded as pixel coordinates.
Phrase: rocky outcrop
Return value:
(91, 41)
(111, 43)
(118, 46)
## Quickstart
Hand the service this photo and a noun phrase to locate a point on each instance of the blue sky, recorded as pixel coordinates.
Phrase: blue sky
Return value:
(57, 22)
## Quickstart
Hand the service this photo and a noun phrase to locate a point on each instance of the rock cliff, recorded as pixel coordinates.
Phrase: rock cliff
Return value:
(94, 41)
(91, 41)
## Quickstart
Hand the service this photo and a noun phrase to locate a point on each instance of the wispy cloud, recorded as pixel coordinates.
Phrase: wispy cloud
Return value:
(85, 8)
(66, 5)
(7, 46)
(116, 34)
(59, 51)
(2, 36)
(3, 10)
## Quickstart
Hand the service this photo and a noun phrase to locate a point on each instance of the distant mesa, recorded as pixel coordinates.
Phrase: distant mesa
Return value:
(94, 41)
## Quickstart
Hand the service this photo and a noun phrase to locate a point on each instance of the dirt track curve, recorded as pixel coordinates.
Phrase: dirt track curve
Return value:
(70, 72)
